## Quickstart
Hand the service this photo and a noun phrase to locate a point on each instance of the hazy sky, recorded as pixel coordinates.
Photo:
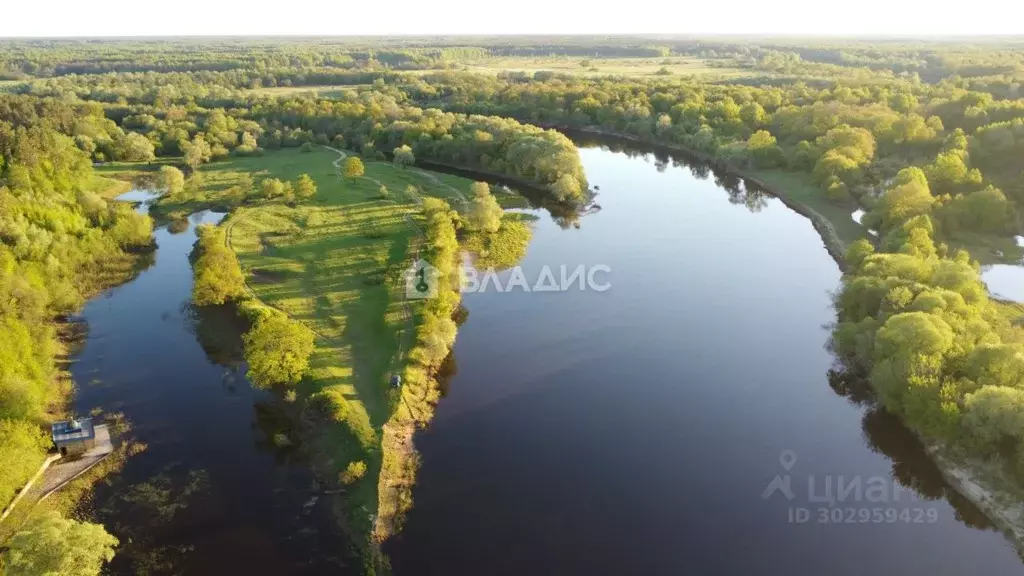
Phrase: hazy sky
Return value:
(341, 17)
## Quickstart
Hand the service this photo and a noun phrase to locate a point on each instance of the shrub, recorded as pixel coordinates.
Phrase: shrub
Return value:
(353, 472)
(277, 350)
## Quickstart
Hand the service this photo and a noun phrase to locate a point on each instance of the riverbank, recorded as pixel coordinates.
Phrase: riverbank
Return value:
(979, 483)
(336, 263)
(70, 482)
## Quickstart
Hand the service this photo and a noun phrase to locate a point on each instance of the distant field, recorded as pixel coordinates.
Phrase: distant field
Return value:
(676, 65)
(323, 91)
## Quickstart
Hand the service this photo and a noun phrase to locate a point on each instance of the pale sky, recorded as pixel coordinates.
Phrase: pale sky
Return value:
(435, 17)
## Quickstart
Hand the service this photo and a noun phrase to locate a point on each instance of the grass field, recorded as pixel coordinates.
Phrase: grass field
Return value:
(336, 265)
(676, 65)
(112, 179)
(321, 91)
(798, 188)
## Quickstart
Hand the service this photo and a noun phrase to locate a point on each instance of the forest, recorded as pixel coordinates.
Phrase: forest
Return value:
(925, 137)
(61, 242)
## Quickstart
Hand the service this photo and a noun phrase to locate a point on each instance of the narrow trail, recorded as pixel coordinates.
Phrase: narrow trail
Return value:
(241, 214)
(433, 178)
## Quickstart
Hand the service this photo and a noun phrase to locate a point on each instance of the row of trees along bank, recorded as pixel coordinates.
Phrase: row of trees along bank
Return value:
(60, 242)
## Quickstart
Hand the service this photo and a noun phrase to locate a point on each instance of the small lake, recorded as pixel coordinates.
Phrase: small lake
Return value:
(213, 493)
(1005, 281)
(684, 421)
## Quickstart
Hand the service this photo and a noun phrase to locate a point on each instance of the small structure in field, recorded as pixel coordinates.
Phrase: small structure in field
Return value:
(74, 437)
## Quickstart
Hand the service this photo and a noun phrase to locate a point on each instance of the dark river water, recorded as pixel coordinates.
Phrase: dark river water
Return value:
(213, 493)
(642, 429)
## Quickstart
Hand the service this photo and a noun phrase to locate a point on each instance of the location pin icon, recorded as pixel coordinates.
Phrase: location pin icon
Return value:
(787, 458)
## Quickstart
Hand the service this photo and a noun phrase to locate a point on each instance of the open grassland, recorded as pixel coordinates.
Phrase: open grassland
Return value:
(112, 179)
(674, 65)
(330, 91)
(336, 264)
(797, 188)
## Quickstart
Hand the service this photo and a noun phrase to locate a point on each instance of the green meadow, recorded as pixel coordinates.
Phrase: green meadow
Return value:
(336, 264)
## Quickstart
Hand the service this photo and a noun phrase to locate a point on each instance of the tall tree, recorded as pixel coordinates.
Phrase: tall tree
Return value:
(277, 350)
(353, 167)
(53, 546)
(171, 179)
(196, 152)
(305, 188)
(403, 156)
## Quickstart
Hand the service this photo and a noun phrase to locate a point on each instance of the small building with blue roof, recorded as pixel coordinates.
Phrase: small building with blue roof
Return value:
(74, 437)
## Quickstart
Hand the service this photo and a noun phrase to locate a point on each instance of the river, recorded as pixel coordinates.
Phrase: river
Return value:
(684, 421)
(213, 493)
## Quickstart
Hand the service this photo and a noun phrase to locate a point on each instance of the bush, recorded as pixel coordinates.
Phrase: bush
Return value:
(52, 545)
(22, 450)
(353, 472)
(353, 167)
(218, 276)
(277, 350)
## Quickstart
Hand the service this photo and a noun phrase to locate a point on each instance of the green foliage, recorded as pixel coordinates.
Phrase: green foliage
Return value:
(922, 322)
(764, 150)
(353, 167)
(909, 198)
(218, 276)
(277, 351)
(171, 180)
(501, 249)
(196, 152)
(272, 189)
(56, 546)
(305, 188)
(23, 447)
(136, 148)
(353, 472)
(403, 156)
(60, 242)
(484, 212)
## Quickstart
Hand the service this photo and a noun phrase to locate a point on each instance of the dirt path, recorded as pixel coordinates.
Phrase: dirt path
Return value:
(433, 178)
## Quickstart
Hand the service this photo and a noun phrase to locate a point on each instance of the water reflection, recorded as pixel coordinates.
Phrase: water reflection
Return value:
(911, 465)
(634, 430)
(218, 329)
(1005, 281)
(221, 487)
(151, 517)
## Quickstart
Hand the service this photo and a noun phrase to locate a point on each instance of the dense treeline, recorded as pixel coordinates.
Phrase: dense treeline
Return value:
(372, 122)
(919, 321)
(851, 139)
(218, 276)
(420, 391)
(60, 242)
(928, 60)
(925, 137)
